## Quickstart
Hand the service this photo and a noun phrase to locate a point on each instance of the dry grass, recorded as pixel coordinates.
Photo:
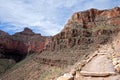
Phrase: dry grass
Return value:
(51, 73)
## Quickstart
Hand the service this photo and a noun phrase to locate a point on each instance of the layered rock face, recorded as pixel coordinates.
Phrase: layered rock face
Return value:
(21, 43)
(94, 26)
(33, 42)
(87, 27)
(84, 30)
(14, 48)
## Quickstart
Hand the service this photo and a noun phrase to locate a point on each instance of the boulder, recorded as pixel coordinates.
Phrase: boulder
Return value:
(117, 67)
(115, 61)
(66, 76)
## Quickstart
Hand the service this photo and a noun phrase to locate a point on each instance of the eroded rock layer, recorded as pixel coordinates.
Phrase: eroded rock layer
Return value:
(84, 33)
(90, 26)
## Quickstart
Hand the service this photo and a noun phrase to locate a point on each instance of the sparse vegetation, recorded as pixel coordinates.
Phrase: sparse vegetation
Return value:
(51, 73)
(6, 64)
(112, 46)
(22, 62)
(79, 39)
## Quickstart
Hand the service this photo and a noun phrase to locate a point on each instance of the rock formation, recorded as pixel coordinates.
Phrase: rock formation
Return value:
(33, 42)
(25, 42)
(102, 64)
(80, 41)
(86, 27)
(16, 47)
(96, 23)
(21, 43)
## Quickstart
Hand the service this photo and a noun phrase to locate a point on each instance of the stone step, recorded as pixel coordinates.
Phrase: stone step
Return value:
(97, 74)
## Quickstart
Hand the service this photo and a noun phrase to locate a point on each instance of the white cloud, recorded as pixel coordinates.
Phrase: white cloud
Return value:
(100, 4)
(46, 16)
(29, 13)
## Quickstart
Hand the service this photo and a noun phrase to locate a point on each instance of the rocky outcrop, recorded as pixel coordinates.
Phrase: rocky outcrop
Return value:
(92, 27)
(23, 43)
(33, 42)
(84, 34)
(104, 63)
(14, 48)
(66, 76)
(87, 27)
(116, 61)
(91, 17)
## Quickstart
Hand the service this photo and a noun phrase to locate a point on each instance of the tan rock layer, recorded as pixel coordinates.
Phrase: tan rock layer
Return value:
(87, 27)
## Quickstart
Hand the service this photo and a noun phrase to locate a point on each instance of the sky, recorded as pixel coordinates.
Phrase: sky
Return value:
(47, 17)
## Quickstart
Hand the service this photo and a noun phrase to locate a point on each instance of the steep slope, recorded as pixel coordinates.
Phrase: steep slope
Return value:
(4, 63)
(103, 64)
(84, 34)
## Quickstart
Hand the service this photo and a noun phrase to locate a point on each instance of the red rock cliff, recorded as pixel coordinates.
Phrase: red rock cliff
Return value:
(24, 42)
(88, 27)
(33, 42)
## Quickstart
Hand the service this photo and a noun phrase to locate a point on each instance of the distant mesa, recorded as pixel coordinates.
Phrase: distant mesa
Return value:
(28, 31)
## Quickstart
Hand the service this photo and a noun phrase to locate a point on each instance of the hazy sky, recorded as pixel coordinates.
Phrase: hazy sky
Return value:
(47, 17)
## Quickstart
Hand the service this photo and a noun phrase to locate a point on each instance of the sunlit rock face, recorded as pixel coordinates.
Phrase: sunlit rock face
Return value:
(87, 27)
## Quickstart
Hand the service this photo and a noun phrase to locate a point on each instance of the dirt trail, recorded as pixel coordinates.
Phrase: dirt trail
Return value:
(99, 64)
(99, 68)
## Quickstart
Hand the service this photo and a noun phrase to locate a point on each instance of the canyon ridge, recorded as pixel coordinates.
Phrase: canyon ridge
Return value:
(90, 39)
